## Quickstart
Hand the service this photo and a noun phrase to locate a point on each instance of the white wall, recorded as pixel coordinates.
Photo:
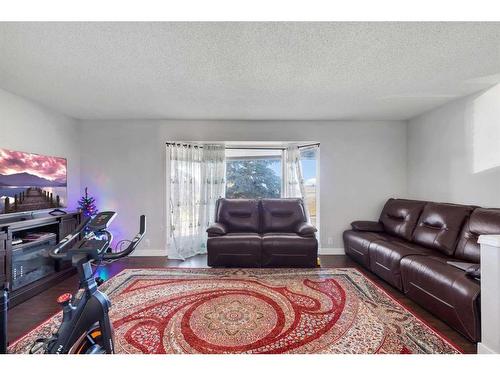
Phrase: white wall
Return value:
(27, 126)
(454, 151)
(449, 154)
(123, 164)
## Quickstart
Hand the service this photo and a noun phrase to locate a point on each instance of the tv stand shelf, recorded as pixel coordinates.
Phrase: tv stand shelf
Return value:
(22, 245)
(26, 266)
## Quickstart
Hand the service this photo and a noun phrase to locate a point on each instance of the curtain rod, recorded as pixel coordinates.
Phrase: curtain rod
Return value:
(242, 147)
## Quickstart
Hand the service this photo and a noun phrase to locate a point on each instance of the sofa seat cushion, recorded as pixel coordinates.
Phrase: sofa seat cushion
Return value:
(357, 244)
(385, 258)
(235, 250)
(444, 290)
(289, 250)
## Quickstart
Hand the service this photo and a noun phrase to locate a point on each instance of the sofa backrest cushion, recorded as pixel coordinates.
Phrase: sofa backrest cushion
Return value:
(238, 215)
(282, 215)
(400, 216)
(481, 221)
(439, 226)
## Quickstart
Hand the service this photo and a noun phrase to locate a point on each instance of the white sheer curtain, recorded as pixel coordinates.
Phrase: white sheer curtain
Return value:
(213, 182)
(294, 182)
(196, 182)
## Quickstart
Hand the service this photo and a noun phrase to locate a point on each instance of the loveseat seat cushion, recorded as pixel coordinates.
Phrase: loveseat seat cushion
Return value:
(445, 291)
(399, 217)
(481, 221)
(235, 250)
(282, 215)
(238, 215)
(357, 244)
(289, 250)
(386, 256)
(439, 226)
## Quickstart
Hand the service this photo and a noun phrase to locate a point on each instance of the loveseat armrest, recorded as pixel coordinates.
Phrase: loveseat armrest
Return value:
(367, 226)
(305, 229)
(216, 229)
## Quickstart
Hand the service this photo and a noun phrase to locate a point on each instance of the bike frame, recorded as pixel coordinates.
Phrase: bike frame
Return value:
(92, 307)
(87, 314)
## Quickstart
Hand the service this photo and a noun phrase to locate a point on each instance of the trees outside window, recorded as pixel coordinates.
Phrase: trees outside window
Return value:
(253, 178)
(253, 173)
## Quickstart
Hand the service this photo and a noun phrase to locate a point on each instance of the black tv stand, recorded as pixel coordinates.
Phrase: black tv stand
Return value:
(24, 242)
(57, 212)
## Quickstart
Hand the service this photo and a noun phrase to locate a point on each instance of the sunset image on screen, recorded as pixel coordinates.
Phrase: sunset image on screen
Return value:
(30, 182)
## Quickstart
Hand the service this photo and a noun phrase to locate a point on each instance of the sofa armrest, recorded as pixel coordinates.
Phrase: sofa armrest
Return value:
(216, 229)
(367, 226)
(305, 229)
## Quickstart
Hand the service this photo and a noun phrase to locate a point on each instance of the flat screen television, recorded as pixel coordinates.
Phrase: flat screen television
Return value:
(31, 182)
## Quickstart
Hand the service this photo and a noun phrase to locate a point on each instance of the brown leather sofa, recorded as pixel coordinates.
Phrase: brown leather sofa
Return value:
(410, 247)
(261, 233)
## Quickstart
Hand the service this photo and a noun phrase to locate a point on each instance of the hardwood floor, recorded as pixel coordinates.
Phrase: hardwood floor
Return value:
(27, 315)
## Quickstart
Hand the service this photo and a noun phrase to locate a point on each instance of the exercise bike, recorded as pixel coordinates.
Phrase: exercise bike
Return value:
(85, 326)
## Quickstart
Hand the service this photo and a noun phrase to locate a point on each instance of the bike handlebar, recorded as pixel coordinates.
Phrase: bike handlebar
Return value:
(54, 253)
(133, 244)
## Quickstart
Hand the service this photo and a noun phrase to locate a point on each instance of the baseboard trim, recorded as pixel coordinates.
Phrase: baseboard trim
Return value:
(483, 349)
(149, 253)
(331, 251)
(163, 253)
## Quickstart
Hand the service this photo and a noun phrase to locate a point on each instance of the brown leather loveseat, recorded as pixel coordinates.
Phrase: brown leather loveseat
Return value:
(411, 246)
(261, 233)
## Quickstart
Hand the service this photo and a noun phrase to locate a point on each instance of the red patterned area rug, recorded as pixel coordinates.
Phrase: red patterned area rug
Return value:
(329, 310)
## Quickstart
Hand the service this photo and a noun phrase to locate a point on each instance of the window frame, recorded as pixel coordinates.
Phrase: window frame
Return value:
(316, 147)
(167, 174)
(318, 186)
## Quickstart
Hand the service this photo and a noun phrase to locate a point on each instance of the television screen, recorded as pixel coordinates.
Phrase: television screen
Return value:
(31, 182)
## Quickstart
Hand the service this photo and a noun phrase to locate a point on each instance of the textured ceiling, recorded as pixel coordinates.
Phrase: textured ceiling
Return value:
(247, 70)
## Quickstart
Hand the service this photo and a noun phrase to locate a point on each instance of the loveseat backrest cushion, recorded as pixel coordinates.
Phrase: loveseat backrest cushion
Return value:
(481, 221)
(238, 215)
(400, 217)
(439, 226)
(282, 215)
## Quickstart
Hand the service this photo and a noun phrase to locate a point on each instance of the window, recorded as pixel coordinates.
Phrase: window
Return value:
(199, 174)
(258, 173)
(254, 173)
(309, 165)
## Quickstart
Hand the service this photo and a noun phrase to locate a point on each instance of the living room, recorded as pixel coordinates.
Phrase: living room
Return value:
(250, 187)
